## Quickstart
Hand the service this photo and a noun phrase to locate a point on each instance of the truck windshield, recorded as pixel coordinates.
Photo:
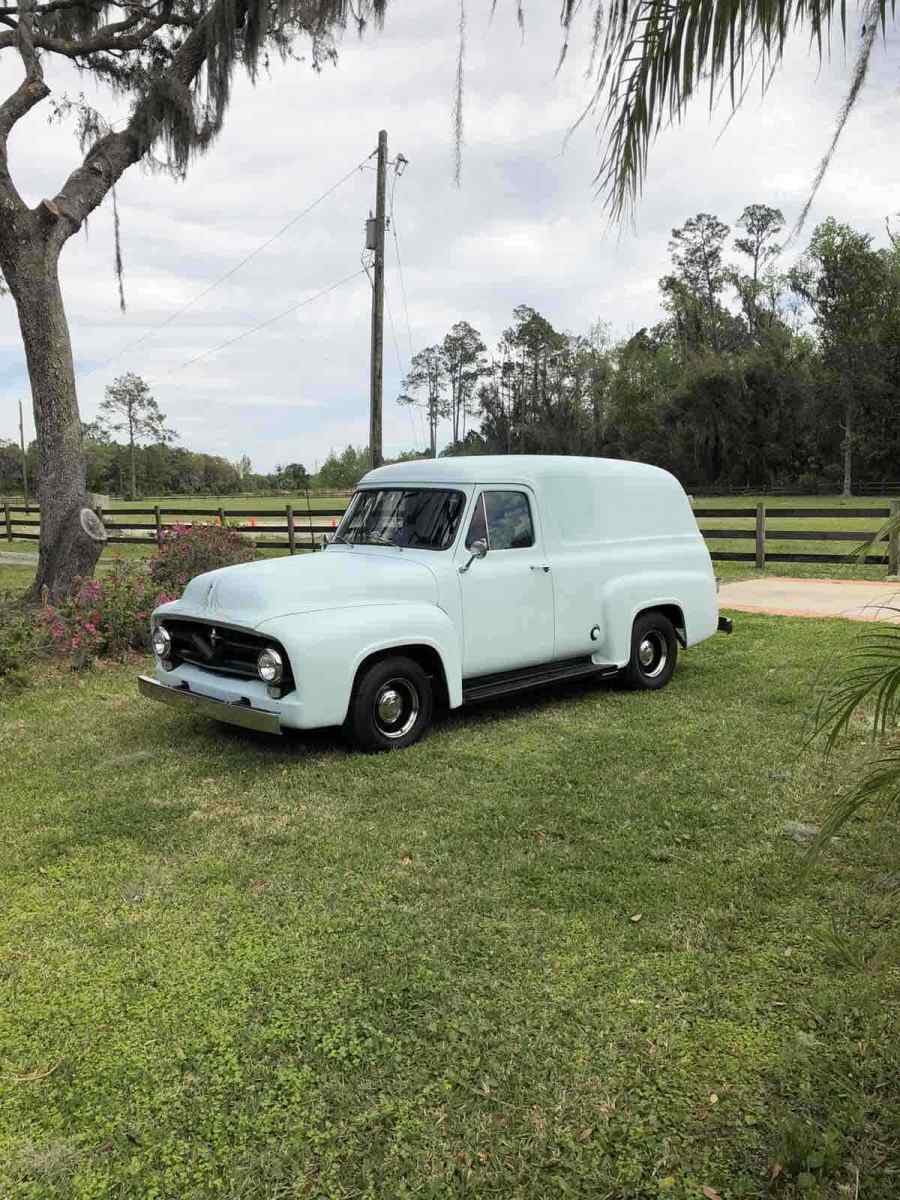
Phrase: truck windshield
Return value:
(424, 518)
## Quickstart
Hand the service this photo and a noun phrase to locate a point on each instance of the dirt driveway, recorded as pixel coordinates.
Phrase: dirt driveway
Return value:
(853, 599)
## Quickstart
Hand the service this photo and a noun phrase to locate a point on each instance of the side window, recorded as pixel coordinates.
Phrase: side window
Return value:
(504, 519)
(508, 520)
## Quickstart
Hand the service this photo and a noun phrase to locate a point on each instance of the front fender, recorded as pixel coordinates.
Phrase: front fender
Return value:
(326, 649)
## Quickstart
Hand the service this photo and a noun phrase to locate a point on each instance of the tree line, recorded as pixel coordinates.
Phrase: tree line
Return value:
(758, 375)
(148, 463)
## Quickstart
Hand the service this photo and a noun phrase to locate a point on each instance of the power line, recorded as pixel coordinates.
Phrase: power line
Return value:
(228, 274)
(400, 264)
(409, 408)
(390, 314)
(393, 224)
(269, 321)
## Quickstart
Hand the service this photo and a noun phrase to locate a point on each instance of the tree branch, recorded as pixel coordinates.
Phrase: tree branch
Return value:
(109, 157)
(108, 38)
(30, 92)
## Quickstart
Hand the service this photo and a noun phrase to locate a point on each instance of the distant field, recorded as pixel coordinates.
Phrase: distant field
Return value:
(245, 503)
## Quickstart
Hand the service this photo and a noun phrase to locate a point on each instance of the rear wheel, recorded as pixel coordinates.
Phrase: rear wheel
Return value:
(391, 706)
(654, 651)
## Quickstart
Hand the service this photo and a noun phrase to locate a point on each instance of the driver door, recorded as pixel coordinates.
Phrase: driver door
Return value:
(507, 596)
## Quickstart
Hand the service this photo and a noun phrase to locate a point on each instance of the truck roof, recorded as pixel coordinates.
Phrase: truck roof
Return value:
(511, 468)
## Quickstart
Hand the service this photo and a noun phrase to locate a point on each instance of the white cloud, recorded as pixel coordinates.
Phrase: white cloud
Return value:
(525, 226)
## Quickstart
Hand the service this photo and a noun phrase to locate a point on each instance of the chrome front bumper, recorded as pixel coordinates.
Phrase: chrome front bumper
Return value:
(206, 706)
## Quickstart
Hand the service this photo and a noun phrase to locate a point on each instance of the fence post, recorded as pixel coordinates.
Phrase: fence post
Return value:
(760, 537)
(158, 525)
(894, 541)
(9, 537)
(222, 517)
(290, 524)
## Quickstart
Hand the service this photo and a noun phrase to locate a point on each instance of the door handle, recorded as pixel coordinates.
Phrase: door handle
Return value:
(536, 568)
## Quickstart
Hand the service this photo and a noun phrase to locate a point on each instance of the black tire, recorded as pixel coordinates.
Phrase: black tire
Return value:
(654, 652)
(395, 683)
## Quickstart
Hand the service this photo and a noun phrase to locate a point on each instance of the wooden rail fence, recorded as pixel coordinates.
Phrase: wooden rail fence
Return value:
(304, 530)
(126, 526)
(762, 532)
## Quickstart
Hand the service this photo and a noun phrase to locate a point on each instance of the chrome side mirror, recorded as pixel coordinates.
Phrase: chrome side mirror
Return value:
(479, 549)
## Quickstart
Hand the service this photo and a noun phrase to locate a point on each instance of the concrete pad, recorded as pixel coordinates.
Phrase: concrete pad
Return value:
(852, 599)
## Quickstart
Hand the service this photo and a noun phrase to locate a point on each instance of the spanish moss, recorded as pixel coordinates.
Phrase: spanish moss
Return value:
(458, 98)
(117, 239)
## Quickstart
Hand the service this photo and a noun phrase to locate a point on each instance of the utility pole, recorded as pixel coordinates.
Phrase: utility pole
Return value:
(24, 459)
(377, 364)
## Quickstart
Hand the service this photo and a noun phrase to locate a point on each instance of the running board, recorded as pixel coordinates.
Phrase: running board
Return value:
(485, 687)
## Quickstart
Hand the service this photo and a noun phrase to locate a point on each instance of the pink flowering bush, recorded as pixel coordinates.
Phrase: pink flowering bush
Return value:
(108, 616)
(189, 550)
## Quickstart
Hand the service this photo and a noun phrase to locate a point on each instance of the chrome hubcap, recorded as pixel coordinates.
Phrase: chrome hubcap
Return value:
(390, 705)
(396, 708)
(652, 654)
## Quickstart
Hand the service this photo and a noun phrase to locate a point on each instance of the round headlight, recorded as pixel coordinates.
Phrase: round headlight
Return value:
(161, 642)
(269, 666)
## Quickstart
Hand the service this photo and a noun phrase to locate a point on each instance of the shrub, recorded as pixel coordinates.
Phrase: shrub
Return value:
(189, 550)
(106, 617)
(22, 641)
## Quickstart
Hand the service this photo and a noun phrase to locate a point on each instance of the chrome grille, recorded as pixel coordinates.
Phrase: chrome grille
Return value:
(221, 648)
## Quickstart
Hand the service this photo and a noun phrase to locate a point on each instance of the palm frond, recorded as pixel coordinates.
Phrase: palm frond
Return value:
(891, 528)
(656, 54)
(867, 683)
(873, 10)
(878, 787)
(870, 674)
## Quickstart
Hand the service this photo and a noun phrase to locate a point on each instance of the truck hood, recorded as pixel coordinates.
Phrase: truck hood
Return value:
(250, 593)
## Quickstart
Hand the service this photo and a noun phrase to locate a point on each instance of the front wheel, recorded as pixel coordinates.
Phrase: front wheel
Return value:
(391, 706)
(654, 650)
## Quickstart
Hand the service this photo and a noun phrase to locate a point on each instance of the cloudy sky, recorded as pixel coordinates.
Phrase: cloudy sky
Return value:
(523, 227)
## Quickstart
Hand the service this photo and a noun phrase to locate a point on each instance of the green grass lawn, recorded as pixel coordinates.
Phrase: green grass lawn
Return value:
(562, 948)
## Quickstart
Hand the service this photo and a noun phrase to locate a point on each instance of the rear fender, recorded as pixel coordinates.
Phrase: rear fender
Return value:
(629, 595)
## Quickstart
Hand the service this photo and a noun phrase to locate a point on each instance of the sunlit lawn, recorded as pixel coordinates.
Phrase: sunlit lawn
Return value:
(561, 948)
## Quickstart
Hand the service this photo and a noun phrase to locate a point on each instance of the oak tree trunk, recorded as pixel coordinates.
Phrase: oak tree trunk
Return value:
(29, 259)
